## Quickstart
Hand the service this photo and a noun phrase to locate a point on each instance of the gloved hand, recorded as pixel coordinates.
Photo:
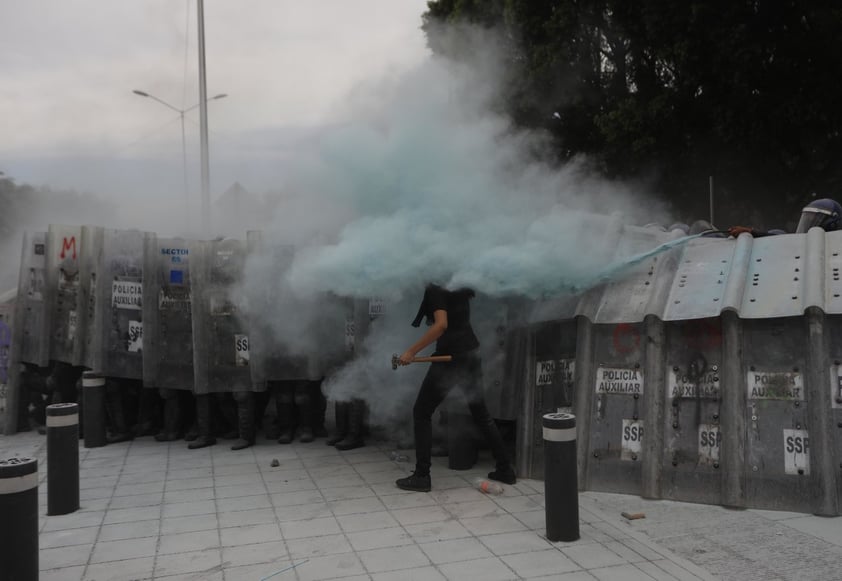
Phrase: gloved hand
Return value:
(737, 230)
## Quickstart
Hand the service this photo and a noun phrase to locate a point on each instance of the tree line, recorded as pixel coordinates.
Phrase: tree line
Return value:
(746, 91)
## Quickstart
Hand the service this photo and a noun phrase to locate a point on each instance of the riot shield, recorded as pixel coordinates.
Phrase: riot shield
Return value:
(489, 318)
(112, 268)
(65, 294)
(29, 341)
(30, 305)
(7, 306)
(334, 316)
(167, 314)
(271, 359)
(221, 352)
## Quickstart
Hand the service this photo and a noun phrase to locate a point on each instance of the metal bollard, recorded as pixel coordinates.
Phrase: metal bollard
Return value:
(62, 458)
(19, 507)
(93, 409)
(561, 489)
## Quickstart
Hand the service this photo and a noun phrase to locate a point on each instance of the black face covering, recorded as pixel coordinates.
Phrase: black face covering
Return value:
(422, 312)
(810, 218)
(425, 309)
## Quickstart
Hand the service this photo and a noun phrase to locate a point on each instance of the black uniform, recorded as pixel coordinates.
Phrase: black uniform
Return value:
(463, 373)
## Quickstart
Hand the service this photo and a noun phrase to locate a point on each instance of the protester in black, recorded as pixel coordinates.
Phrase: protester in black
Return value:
(448, 315)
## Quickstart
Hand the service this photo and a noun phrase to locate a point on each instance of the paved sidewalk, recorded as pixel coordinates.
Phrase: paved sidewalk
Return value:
(739, 545)
(161, 511)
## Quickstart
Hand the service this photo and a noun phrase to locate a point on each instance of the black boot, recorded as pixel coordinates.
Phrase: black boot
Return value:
(261, 403)
(228, 410)
(319, 409)
(306, 435)
(341, 410)
(356, 416)
(304, 406)
(172, 429)
(245, 420)
(147, 413)
(203, 423)
(114, 404)
(192, 432)
(415, 482)
(273, 430)
(273, 427)
(187, 405)
(285, 406)
(505, 474)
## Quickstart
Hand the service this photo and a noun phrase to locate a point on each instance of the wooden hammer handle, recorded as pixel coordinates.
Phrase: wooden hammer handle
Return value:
(433, 359)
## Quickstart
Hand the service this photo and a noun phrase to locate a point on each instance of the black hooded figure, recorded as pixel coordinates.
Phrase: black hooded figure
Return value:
(448, 316)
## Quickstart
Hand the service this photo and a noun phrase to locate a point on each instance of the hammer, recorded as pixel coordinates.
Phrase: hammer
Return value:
(432, 359)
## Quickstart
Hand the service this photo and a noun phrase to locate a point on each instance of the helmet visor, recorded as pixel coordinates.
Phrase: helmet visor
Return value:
(810, 218)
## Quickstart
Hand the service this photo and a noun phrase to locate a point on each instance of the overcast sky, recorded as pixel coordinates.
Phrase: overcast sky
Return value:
(69, 119)
(394, 168)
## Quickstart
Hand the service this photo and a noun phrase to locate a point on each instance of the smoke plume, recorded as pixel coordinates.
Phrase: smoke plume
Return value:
(421, 180)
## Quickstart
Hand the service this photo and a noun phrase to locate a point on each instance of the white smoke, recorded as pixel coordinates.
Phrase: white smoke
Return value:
(423, 180)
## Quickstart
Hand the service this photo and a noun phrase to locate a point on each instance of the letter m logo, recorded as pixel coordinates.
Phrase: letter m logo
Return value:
(66, 246)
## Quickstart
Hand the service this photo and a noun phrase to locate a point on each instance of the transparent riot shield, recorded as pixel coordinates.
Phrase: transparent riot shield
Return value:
(65, 294)
(112, 268)
(221, 350)
(167, 314)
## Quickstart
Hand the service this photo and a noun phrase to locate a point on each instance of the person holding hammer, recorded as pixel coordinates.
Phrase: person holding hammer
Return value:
(448, 316)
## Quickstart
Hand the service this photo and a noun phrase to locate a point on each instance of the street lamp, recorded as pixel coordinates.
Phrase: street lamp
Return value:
(181, 113)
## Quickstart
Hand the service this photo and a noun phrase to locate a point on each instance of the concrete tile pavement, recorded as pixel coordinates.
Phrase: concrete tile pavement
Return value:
(738, 545)
(160, 511)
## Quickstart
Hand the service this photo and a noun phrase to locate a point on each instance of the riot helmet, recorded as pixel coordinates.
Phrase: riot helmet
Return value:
(700, 227)
(824, 213)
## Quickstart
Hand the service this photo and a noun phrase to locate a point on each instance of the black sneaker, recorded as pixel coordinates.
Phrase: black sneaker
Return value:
(505, 475)
(414, 482)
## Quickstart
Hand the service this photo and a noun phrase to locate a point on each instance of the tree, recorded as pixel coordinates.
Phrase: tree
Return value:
(13, 198)
(744, 91)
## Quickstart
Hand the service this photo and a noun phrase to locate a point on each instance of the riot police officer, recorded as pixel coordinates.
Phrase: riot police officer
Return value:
(824, 213)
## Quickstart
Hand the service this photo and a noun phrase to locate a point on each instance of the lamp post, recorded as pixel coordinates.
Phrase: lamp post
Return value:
(181, 112)
(203, 119)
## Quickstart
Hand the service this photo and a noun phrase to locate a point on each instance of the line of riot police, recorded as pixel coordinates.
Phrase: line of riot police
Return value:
(185, 348)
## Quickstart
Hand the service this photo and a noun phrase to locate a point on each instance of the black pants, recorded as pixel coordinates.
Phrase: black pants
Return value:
(463, 374)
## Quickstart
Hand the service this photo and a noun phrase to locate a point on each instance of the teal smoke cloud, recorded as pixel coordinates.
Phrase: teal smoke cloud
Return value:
(433, 185)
